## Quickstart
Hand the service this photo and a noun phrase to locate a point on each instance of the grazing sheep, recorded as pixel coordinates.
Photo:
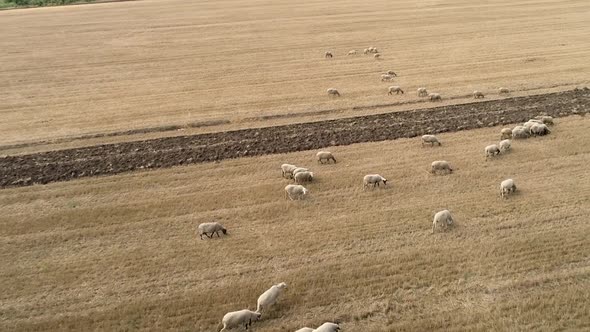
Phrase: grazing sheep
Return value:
(333, 92)
(444, 218)
(520, 132)
(303, 177)
(366, 51)
(328, 327)
(545, 119)
(492, 150)
(506, 133)
(434, 97)
(505, 145)
(373, 179)
(352, 52)
(325, 155)
(328, 55)
(478, 94)
(305, 329)
(295, 191)
(237, 318)
(298, 170)
(440, 165)
(377, 56)
(422, 92)
(395, 89)
(540, 129)
(386, 77)
(503, 91)
(270, 296)
(392, 73)
(288, 170)
(506, 187)
(210, 227)
(430, 139)
(371, 50)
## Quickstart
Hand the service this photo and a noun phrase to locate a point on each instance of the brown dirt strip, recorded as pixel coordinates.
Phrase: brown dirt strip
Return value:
(64, 165)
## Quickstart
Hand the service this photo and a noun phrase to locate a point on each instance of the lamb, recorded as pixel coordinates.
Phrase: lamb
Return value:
(386, 77)
(430, 139)
(288, 170)
(210, 227)
(237, 318)
(325, 155)
(440, 165)
(328, 327)
(503, 91)
(434, 97)
(506, 133)
(444, 218)
(540, 129)
(270, 296)
(506, 187)
(505, 145)
(377, 56)
(352, 52)
(295, 191)
(396, 89)
(303, 177)
(492, 150)
(328, 55)
(520, 132)
(392, 73)
(478, 94)
(373, 179)
(333, 92)
(422, 92)
(545, 119)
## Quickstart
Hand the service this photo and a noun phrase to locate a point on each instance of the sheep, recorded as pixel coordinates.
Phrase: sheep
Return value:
(210, 227)
(503, 91)
(540, 129)
(377, 56)
(386, 77)
(520, 132)
(328, 327)
(333, 92)
(270, 296)
(505, 145)
(396, 89)
(545, 119)
(352, 52)
(478, 94)
(392, 73)
(492, 150)
(430, 139)
(325, 155)
(373, 179)
(422, 92)
(366, 51)
(305, 329)
(328, 55)
(440, 165)
(298, 170)
(303, 177)
(443, 217)
(434, 97)
(506, 187)
(506, 133)
(371, 50)
(237, 318)
(295, 191)
(288, 170)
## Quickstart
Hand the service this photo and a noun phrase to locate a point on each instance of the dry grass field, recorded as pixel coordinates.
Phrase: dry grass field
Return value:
(78, 70)
(121, 252)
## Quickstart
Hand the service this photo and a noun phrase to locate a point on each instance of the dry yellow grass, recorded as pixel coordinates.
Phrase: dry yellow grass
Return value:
(121, 252)
(70, 71)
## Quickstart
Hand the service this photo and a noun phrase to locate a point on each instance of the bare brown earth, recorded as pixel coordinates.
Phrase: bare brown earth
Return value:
(108, 159)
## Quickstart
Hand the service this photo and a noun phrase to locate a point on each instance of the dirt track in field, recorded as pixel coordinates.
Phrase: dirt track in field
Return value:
(63, 165)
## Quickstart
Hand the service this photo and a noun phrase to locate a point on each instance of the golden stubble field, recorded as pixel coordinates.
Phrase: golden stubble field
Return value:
(77, 70)
(121, 252)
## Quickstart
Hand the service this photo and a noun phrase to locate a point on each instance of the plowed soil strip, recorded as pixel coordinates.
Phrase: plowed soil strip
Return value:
(111, 159)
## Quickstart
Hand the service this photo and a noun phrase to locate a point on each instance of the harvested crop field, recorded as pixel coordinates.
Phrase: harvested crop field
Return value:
(121, 253)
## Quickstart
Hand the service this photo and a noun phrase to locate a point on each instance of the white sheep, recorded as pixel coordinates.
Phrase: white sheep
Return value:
(430, 139)
(236, 318)
(325, 155)
(440, 165)
(396, 89)
(288, 170)
(386, 78)
(506, 133)
(352, 52)
(422, 92)
(492, 150)
(520, 132)
(444, 218)
(540, 129)
(328, 55)
(366, 51)
(295, 191)
(373, 179)
(270, 296)
(305, 329)
(210, 227)
(434, 97)
(333, 92)
(392, 73)
(328, 327)
(503, 91)
(505, 145)
(478, 94)
(545, 119)
(506, 187)
(298, 170)
(377, 56)
(303, 177)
